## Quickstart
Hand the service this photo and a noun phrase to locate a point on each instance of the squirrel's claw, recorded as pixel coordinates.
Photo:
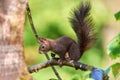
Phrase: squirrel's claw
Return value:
(60, 62)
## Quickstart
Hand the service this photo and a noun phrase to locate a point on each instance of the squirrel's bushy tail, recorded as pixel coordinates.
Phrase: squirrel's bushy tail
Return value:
(83, 26)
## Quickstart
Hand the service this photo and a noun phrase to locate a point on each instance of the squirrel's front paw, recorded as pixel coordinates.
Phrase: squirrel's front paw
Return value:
(60, 62)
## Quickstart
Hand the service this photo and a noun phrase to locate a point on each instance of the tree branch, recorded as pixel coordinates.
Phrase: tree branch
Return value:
(54, 62)
(76, 65)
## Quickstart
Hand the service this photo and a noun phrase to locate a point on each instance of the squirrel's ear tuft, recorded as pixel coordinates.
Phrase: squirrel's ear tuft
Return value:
(43, 40)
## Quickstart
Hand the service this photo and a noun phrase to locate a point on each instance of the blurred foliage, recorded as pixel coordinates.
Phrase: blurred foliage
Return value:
(114, 52)
(117, 15)
(116, 69)
(75, 77)
(51, 19)
(114, 47)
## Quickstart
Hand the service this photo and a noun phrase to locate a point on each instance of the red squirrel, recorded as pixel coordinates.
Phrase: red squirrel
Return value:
(67, 48)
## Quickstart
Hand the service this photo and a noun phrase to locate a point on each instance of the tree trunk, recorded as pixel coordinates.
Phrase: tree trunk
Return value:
(12, 18)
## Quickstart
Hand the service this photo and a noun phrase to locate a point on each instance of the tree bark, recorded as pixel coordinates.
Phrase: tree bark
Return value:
(12, 19)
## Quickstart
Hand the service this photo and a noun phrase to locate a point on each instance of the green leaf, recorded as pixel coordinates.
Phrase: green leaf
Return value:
(116, 69)
(117, 15)
(114, 47)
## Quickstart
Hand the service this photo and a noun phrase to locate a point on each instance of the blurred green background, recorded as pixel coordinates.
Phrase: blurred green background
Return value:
(51, 19)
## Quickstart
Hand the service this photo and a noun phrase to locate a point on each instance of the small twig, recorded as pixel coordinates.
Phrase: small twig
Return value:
(31, 22)
(37, 38)
(53, 68)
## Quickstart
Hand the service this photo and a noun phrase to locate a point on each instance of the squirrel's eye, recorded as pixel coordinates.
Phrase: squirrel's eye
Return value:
(43, 47)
